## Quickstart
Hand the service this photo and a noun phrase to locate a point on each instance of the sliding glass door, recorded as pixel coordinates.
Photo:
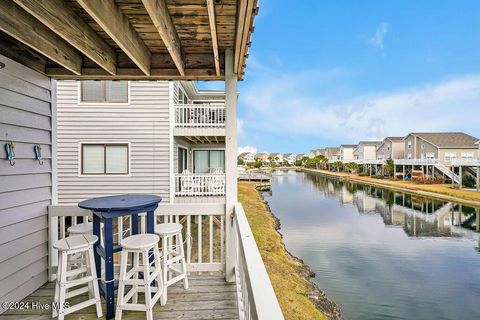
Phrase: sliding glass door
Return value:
(207, 161)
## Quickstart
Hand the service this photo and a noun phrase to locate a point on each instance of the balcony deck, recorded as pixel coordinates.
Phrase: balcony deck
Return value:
(209, 297)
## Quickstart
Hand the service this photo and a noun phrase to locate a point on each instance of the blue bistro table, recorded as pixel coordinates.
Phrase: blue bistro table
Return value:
(106, 209)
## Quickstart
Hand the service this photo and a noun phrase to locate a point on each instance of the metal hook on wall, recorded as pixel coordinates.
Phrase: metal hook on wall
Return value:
(38, 153)
(9, 148)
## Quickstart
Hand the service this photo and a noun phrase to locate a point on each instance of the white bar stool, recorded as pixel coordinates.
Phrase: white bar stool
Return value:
(173, 253)
(139, 245)
(85, 274)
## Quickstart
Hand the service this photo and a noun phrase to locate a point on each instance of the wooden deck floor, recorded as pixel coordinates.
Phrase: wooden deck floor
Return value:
(209, 297)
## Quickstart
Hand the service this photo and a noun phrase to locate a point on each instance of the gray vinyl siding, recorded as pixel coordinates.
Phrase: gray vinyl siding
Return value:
(26, 187)
(144, 123)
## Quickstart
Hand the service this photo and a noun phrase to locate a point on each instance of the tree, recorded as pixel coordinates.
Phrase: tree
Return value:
(257, 164)
(240, 161)
(351, 167)
(298, 163)
(337, 165)
(390, 166)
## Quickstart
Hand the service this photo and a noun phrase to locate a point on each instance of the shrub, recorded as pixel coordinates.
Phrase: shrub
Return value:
(377, 176)
(363, 174)
(469, 181)
(257, 164)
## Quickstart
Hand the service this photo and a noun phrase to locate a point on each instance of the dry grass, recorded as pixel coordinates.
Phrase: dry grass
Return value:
(441, 189)
(286, 274)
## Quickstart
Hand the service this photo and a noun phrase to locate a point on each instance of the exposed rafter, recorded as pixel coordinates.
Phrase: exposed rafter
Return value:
(158, 12)
(117, 26)
(213, 31)
(246, 35)
(22, 26)
(239, 33)
(61, 19)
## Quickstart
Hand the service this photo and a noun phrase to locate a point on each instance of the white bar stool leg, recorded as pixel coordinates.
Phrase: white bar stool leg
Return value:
(121, 284)
(62, 285)
(147, 287)
(135, 264)
(163, 299)
(183, 262)
(96, 291)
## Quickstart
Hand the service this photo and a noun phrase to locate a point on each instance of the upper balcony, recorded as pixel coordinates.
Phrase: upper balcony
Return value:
(199, 122)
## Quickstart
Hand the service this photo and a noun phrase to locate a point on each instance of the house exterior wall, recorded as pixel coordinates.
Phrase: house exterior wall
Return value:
(368, 152)
(410, 141)
(382, 152)
(474, 152)
(346, 154)
(397, 150)
(143, 123)
(425, 149)
(26, 187)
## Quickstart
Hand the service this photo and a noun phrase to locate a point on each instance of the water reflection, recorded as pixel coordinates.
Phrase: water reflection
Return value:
(418, 216)
(382, 254)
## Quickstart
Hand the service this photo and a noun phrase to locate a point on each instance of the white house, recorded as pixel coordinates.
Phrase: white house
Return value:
(391, 148)
(114, 153)
(366, 150)
(346, 152)
(247, 157)
(290, 158)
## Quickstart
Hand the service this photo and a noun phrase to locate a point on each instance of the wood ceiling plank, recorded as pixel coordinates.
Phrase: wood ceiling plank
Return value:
(213, 30)
(116, 25)
(62, 20)
(158, 12)
(22, 26)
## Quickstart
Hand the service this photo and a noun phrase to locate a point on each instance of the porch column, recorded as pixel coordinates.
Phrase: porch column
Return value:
(460, 177)
(478, 178)
(230, 161)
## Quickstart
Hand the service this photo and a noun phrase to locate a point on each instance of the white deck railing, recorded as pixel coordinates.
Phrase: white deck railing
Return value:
(466, 162)
(198, 115)
(204, 229)
(195, 184)
(256, 298)
(415, 161)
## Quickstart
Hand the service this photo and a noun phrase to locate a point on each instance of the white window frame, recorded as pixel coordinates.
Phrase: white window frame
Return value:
(466, 155)
(409, 156)
(189, 157)
(430, 155)
(207, 149)
(113, 175)
(409, 144)
(422, 146)
(449, 156)
(82, 103)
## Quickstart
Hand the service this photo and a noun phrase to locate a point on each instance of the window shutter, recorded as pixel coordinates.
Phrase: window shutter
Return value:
(116, 91)
(116, 159)
(93, 159)
(93, 91)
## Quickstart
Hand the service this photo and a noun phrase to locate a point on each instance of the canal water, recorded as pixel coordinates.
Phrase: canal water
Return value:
(381, 254)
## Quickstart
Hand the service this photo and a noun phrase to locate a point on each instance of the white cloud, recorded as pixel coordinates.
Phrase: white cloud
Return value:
(247, 149)
(377, 39)
(279, 105)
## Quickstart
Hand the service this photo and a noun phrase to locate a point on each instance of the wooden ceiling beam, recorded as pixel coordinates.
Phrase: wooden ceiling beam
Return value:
(20, 25)
(116, 25)
(213, 31)
(245, 37)
(239, 34)
(158, 12)
(134, 74)
(61, 19)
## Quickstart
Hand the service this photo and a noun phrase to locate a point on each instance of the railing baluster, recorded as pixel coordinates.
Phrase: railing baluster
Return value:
(192, 115)
(189, 240)
(222, 239)
(200, 252)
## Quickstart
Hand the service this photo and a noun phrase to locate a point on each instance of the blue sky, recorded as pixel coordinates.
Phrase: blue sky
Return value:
(321, 73)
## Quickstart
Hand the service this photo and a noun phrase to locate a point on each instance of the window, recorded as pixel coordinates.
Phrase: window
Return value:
(450, 156)
(182, 159)
(409, 156)
(467, 155)
(430, 155)
(422, 146)
(206, 161)
(409, 144)
(105, 91)
(105, 159)
(182, 97)
(388, 147)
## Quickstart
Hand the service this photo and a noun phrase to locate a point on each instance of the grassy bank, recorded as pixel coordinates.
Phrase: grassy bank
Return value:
(439, 191)
(289, 276)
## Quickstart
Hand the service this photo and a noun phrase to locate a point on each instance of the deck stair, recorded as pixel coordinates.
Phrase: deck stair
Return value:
(446, 171)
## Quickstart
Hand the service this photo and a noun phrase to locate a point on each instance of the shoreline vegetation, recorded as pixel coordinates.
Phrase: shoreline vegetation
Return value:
(298, 295)
(438, 191)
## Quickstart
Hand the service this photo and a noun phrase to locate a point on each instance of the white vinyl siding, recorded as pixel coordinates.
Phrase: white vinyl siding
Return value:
(450, 156)
(26, 187)
(144, 124)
